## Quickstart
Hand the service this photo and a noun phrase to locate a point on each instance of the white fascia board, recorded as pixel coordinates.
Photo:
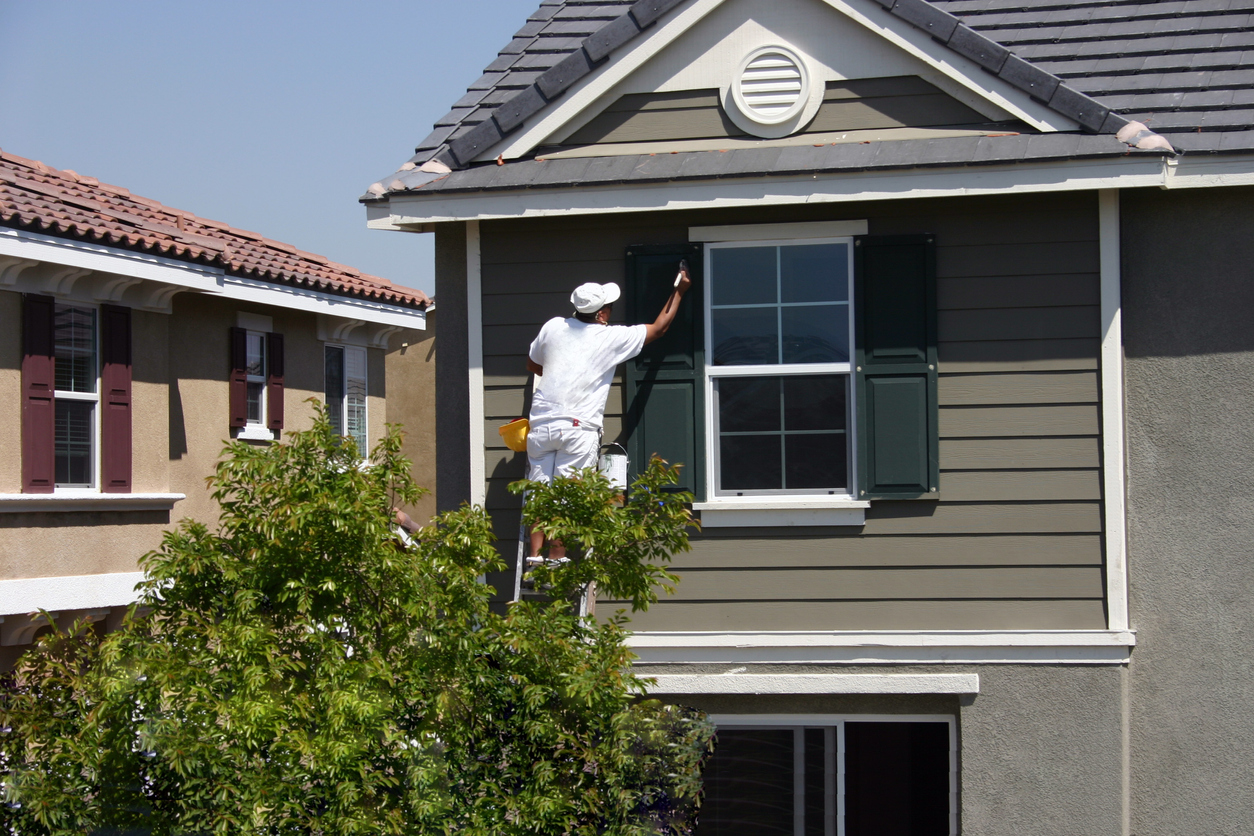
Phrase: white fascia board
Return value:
(836, 187)
(76, 592)
(200, 279)
(86, 255)
(1200, 172)
(816, 683)
(972, 647)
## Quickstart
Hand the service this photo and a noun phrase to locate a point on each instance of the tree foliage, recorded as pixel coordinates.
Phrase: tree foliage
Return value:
(299, 671)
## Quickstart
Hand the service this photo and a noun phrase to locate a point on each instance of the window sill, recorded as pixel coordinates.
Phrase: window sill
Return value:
(254, 432)
(17, 503)
(751, 512)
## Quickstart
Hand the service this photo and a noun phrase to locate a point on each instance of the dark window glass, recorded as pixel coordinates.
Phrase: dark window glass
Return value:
(72, 444)
(256, 355)
(814, 273)
(745, 336)
(334, 377)
(256, 391)
(74, 332)
(896, 779)
(749, 462)
(815, 460)
(749, 784)
(746, 276)
(818, 334)
(748, 404)
(815, 402)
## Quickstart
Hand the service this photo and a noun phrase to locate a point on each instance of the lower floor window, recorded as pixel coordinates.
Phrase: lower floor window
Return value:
(346, 392)
(843, 778)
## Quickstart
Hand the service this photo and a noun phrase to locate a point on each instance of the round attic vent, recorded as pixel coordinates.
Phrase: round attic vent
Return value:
(772, 85)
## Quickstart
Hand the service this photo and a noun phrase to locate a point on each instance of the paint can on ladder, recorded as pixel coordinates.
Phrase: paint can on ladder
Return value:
(614, 465)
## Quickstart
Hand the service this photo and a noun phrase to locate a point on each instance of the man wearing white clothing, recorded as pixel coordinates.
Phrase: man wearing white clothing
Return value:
(575, 358)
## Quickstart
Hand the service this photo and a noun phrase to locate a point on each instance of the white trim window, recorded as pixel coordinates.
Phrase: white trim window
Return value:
(345, 379)
(779, 341)
(826, 775)
(76, 348)
(256, 367)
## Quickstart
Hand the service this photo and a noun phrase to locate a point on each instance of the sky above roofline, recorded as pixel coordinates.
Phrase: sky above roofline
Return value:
(266, 116)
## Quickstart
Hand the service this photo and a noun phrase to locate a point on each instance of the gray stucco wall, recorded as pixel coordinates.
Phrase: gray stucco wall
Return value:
(1039, 747)
(1188, 278)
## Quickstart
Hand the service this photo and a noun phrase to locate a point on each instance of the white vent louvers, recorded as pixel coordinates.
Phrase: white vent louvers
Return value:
(771, 86)
(772, 93)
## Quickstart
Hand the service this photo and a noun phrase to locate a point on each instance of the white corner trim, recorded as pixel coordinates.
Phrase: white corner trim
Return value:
(19, 503)
(474, 351)
(1113, 457)
(772, 232)
(971, 647)
(816, 683)
(75, 592)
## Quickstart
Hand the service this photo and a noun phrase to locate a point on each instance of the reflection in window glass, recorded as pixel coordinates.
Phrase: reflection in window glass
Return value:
(255, 367)
(746, 276)
(746, 336)
(897, 780)
(814, 273)
(74, 333)
(355, 396)
(334, 378)
(817, 334)
(749, 784)
(783, 433)
(72, 443)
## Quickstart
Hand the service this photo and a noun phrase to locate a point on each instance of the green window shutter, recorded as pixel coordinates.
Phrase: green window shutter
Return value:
(895, 360)
(665, 402)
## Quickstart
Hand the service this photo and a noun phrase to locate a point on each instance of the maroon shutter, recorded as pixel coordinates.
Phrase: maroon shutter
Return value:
(239, 377)
(38, 386)
(115, 399)
(274, 380)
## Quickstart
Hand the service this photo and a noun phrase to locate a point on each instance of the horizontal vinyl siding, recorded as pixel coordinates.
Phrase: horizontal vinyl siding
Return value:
(1015, 540)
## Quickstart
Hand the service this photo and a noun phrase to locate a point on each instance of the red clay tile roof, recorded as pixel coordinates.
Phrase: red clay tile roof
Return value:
(65, 204)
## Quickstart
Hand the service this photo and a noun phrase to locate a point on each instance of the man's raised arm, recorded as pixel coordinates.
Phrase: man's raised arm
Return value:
(667, 316)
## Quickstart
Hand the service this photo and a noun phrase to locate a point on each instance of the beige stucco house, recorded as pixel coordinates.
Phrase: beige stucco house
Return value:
(136, 340)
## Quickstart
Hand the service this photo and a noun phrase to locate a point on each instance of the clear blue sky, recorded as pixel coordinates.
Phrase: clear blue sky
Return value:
(269, 115)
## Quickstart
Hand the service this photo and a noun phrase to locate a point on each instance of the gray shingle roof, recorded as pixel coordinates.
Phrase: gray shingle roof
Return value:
(1184, 67)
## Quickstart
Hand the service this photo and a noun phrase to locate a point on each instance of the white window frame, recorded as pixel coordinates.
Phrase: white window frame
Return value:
(258, 430)
(783, 507)
(364, 444)
(93, 397)
(836, 722)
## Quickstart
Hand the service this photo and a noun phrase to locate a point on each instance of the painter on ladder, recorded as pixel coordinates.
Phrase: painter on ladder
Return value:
(574, 358)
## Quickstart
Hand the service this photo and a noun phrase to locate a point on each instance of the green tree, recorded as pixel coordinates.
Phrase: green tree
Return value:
(298, 670)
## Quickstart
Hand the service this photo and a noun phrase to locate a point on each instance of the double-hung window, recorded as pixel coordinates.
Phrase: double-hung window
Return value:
(345, 378)
(256, 380)
(76, 396)
(779, 334)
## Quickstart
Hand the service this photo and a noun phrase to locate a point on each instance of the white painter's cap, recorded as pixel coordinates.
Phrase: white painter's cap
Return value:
(591, 297)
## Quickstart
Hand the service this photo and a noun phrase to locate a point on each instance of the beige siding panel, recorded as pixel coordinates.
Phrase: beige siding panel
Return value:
(990, 550)
(1018, 291)
(1002, 220)
(655, 126)
(1018, 355)
(1019, 453)
(1010, 486)
(1005, 259)
(929, 110)
(984, 582)
(1007, 518)
(553, 246)
(1011, 421)
(509, 339)
(1019, 324)
(530, 309)
(1043, 388)
(506, 370)
(678, 100)
(867, 615)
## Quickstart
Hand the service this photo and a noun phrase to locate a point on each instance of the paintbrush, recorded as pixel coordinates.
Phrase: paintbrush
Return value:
(683, 268)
